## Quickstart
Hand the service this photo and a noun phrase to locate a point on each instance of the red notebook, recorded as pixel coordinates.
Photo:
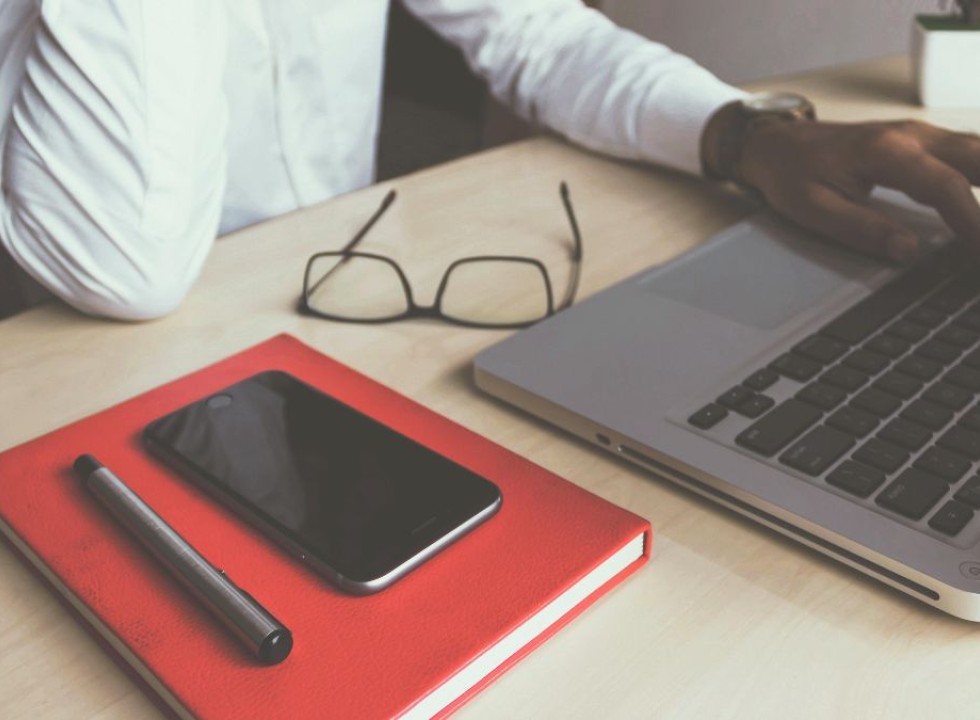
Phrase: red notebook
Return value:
(418, 649)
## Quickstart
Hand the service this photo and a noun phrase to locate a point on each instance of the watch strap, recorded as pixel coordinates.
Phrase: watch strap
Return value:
(721, 158)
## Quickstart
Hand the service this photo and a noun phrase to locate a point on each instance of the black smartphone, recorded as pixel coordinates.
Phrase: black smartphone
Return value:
(359, 502)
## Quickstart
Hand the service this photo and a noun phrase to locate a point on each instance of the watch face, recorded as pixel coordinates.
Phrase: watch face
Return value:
(776, 102)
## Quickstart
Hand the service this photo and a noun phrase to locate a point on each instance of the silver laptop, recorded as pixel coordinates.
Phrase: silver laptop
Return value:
(830, 397)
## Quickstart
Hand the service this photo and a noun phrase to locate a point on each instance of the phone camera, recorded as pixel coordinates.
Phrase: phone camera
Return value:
(219, 401)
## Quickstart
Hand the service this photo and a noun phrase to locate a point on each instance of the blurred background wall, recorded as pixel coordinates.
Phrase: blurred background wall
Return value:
(745, 40)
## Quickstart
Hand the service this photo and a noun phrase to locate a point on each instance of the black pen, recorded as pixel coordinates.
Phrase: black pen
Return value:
(238, 611)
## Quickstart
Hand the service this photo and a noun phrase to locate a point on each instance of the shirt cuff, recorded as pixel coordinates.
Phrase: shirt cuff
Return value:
(675, 112)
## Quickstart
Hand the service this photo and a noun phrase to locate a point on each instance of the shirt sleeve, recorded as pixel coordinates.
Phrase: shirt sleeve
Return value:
(113, 157)
(566, 66)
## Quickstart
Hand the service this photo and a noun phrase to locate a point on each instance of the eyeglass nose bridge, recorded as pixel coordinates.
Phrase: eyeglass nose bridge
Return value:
(426, 311)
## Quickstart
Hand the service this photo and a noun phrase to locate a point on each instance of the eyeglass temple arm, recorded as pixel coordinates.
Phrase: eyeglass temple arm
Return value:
(576, 249)
(385, 204)
(352, 243)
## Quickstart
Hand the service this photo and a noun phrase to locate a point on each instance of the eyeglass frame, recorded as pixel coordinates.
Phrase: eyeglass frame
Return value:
(434, 311)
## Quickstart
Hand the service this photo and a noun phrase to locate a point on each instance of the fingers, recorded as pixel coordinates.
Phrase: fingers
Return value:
(831, 214)
(817, 173)
(930, 181)
(960, 151)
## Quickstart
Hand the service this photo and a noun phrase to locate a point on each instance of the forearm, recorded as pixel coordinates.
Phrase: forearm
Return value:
(114, 154)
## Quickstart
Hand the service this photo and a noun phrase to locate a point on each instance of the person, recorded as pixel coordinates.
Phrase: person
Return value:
(136, 131)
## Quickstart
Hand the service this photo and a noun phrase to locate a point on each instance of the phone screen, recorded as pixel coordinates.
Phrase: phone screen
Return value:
(356, 495)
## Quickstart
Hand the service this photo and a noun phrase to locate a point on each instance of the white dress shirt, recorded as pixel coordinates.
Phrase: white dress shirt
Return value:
(133, 132)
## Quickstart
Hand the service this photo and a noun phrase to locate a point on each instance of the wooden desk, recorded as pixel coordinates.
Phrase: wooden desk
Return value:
(728, 619)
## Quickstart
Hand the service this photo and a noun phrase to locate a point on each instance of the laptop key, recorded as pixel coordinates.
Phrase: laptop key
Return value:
(925, 316)
(909, 435)
(919, 367)
(959, 336)
(867, 361)
(845, 378)
(817, 450)
(912, 494)
(856, 478)
(948, 395)
(964, 377)
(939, 350)
(876, 402)
(853, 421)
(970, 492)
(966, 442)
(943, 304)
(796, 367)
(898, 384)
(954, 295)
(734, 397)
(779, 427)
(972, 359)
(910, 331)
(761, 379)
(755, 405)
(888, 345)
(969, 319)
(970, 419)
(745, 402)
(825, 397)
(882, 455)
(821, 348)
(708, 416)
(951, 518)
(945, 464)
(928, 413)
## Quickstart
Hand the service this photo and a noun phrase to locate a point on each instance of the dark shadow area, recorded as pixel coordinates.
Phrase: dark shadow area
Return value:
(18, 290)
(434, 108)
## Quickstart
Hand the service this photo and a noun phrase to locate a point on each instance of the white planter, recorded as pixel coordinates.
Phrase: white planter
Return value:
(947, 64)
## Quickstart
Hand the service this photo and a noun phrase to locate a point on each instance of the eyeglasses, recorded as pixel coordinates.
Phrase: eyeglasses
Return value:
(485, 291)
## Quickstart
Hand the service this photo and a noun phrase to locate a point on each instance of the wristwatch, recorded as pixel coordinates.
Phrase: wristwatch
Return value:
(722, 150)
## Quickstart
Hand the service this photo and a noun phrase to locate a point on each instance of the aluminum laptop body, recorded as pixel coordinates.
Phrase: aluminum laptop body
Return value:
(628, 368)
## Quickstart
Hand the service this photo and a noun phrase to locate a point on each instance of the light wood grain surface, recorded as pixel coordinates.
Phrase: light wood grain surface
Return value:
(728, 620)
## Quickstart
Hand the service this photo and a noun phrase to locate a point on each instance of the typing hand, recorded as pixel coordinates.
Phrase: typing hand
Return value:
(818, 174)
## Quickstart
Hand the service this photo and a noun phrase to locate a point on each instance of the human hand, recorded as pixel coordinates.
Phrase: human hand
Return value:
(819, 174)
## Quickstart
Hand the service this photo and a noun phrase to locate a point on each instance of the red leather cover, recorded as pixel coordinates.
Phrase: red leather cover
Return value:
(354, 657)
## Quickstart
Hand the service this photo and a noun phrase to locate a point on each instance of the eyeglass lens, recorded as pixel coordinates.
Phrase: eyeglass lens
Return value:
(360, 288)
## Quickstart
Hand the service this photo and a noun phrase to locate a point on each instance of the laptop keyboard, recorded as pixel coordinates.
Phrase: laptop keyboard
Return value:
(883, 401)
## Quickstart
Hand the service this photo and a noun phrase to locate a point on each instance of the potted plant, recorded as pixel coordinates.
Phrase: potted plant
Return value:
(946, 50)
